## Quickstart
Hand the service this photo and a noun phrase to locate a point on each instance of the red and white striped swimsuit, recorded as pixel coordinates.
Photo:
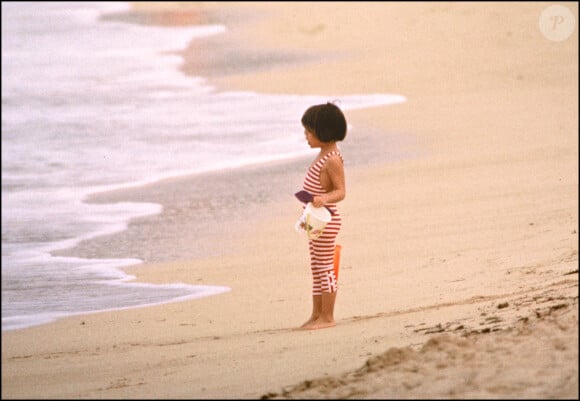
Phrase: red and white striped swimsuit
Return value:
(322, 248)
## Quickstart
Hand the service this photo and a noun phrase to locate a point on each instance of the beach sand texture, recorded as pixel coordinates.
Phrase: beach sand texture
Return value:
(459, 273)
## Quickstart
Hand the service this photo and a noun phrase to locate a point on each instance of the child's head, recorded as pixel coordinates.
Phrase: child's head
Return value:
(326, 121)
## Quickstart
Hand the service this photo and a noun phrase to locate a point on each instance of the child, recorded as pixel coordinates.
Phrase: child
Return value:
(324, 126)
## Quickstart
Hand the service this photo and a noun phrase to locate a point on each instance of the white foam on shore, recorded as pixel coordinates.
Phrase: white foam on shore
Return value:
(194, 292)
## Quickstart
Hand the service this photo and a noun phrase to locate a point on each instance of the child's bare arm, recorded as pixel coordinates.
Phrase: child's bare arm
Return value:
(332, 179)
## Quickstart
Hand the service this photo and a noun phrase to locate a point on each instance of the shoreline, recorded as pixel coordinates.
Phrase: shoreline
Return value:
(473, 238)
(200, 235)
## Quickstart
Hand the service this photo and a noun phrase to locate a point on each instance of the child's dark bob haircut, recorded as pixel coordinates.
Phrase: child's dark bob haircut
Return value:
(326, 121)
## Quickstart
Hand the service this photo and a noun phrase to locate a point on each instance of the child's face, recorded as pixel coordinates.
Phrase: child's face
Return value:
(312, 139)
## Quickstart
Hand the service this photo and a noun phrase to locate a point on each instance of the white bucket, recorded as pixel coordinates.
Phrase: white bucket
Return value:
(313, 220)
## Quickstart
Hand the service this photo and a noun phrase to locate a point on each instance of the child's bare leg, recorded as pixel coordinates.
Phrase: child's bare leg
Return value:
(326, 316)
(316, 310)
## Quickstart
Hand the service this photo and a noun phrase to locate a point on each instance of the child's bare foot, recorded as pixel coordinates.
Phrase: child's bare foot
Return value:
(318, 324)
(307, 323)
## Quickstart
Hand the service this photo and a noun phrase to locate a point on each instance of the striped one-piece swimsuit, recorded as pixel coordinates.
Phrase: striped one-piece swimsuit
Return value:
(322, 248)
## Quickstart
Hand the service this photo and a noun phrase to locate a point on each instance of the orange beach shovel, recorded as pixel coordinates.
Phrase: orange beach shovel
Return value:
(337, 250)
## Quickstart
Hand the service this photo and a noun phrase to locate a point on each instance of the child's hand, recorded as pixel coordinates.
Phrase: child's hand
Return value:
(317, 201)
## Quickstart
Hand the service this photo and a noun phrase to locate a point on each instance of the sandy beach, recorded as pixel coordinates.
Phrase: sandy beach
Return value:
(459, 274)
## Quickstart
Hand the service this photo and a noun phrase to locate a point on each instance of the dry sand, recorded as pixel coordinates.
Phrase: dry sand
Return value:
(460, 264)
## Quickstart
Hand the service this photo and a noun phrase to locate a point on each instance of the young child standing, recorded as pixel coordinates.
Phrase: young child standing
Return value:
(324, 126)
